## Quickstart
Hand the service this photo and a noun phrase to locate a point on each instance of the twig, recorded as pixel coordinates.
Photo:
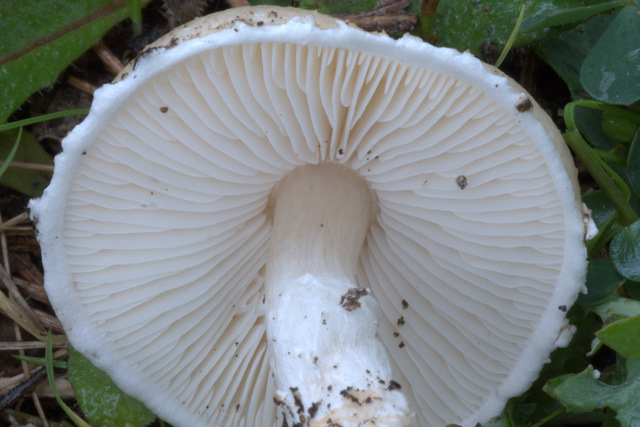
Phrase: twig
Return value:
(108, 58)
(386, 16)
(17, 229)
(30, 166)
(15, 220)
(22, 389)
(81, 85)
(21, 345)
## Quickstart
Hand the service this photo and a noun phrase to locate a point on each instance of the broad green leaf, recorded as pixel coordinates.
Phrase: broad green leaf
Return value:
(102, 402)
(625, 251)
(602, 282)
(483, 27)
(618, 127)
(600, 205)
(633, 289)
(39, 38)
(611, 71)
(589, 122)
(618, 306)
(29, 182)
(566, 51)
(633, 163)
(623, 336)
(583, 392)
(543, 22)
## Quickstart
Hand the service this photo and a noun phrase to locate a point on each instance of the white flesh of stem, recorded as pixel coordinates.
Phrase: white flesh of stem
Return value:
(327, 359)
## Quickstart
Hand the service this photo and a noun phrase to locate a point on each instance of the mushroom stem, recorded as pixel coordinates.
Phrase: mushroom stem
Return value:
(329, 364)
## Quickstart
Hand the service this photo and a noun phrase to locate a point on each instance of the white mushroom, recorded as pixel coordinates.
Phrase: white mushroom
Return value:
(274, 215)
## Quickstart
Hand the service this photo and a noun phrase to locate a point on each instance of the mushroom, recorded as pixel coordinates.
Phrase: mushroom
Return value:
(274, 218)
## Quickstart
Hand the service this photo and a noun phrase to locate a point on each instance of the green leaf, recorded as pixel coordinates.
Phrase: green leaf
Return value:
(52, 383)
(512, 37)
(623, 336)
(566, 51)
(618, 306)
(602, 282)
(544, 21)
(625, 251)
(102, 402)
(483, 27)
(58, 364)
(29, 182)
(11, 154)
(633, 289)
(583, 392)
(610, 73)
(589, 121)
(134, 10)
(43, 118)
(39, 38)
(618, 127)
(633, 163)
(600, 205)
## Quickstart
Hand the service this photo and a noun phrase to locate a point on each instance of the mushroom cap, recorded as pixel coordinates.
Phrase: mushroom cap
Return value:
(155, 227)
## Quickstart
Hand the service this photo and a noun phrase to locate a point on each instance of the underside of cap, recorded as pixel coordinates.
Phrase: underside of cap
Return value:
(156, 225)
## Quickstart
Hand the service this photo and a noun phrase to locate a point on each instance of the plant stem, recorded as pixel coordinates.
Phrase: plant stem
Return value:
(43, 118)
(582, 150)
(549, 417)
(512, 38)
(593, 164)
(427, 16)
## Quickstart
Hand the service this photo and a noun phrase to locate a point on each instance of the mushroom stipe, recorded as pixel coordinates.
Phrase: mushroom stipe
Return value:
(263, 199)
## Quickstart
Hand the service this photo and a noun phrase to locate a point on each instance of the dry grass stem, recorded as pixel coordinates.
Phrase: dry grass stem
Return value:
(15, 295)
(21, 345)
(82, 85)
(49, 321)
(62, 385)
(27, 270)
(36, 401)
(15, 220)
(108, 58)
(27, 374)
(7, 384)
(14, 389)
(31, 290)
(16, 229)
(30, 166)
(19, 301)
